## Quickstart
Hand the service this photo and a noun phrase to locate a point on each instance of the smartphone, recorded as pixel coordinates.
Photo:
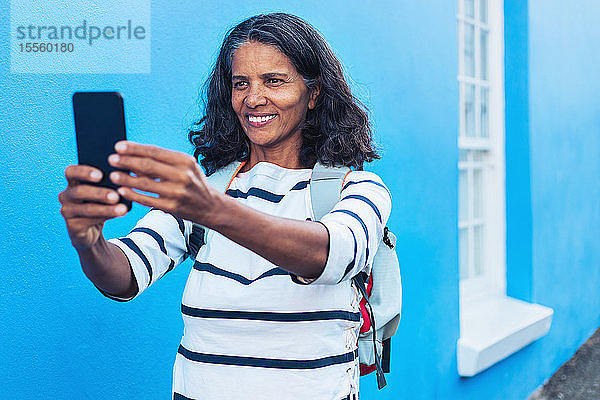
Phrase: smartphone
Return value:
(99, 124)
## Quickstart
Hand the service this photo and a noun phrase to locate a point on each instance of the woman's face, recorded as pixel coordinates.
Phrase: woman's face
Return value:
(269, 97)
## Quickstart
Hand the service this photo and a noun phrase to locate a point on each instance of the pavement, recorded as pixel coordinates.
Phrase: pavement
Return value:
(578, 378)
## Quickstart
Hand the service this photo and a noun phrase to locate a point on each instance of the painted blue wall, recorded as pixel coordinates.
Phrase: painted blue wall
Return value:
(62, 339)
(518, 176)
(565, 165)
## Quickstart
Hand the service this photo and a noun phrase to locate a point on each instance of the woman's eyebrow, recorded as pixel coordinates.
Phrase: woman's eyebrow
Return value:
(267, 75)
(274, 75)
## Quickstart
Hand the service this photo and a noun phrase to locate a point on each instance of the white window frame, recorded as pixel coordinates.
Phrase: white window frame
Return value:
(493, 280)
(492, 325)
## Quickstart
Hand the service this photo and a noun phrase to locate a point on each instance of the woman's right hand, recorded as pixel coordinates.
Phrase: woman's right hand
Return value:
(85, 207)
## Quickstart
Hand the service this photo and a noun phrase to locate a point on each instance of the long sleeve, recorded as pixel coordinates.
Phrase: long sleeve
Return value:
(157, 244)
(355, 226)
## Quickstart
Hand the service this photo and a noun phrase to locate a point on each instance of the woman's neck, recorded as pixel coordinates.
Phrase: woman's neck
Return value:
(283, 158)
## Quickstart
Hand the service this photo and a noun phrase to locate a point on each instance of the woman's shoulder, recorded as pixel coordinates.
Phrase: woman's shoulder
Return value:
(356, 175)
(364, 180)
(368, 176)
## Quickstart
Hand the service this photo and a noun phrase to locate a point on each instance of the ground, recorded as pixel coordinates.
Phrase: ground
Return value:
(578, 378)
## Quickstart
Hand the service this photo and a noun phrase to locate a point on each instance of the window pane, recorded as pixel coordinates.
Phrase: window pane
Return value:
(463, 254)
(469, 50)
(484, 122)
(469, 110)
(463, 196)
(470, 8)
(478, 249)
(483, 10)
(477, 193)
(478, 155)
(479, 202)
(483, 65)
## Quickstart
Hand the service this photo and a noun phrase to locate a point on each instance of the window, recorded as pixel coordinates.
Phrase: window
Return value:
(492, 325)
(481, 213)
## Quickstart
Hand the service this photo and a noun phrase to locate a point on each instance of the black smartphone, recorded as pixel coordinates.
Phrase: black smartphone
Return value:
(99, 124)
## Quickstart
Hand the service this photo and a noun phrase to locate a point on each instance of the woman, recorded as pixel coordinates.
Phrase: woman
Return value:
(269, 308)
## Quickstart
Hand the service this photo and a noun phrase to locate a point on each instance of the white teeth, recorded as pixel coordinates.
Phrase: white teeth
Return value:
(260, 119)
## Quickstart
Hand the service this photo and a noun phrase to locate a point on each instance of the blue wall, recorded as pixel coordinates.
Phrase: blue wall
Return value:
(565, 166)
(62, 338)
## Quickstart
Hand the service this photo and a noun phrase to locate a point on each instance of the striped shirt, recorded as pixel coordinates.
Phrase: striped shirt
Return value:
(253, 330)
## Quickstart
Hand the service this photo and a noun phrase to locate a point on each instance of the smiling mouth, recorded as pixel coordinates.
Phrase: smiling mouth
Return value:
(260, 120)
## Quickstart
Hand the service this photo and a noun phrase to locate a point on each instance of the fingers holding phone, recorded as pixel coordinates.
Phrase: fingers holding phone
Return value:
(100, 201)
(85, 206)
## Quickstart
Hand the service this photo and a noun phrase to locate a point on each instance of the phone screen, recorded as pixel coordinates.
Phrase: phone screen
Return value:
(99, 124)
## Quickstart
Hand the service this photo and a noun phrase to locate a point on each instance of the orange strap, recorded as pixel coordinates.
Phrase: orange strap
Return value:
(344, 180)
(235, 174)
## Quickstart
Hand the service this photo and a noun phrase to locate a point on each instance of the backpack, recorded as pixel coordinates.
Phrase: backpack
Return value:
(381, 289)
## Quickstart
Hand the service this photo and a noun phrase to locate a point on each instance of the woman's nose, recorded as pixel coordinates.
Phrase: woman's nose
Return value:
(255, 97)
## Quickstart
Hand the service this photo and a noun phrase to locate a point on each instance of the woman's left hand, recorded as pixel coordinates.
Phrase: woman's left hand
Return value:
(176, 178)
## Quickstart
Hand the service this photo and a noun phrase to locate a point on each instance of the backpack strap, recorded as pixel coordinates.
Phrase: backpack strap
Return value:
(325, 191)
(221, 179)
(360, 281)
(325, 187)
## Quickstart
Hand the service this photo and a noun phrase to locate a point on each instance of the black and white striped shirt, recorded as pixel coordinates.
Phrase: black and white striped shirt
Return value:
(252, 330)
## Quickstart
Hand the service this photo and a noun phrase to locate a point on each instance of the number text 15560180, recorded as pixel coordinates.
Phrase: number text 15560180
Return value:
(30, 47)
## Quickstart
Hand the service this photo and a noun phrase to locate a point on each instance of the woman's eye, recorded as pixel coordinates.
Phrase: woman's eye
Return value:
(240, 84)
(274, 81)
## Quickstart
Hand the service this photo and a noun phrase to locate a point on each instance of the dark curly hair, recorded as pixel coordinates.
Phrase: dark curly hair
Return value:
(335, 132)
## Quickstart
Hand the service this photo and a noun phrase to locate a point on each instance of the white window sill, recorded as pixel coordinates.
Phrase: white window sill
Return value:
(494, 328)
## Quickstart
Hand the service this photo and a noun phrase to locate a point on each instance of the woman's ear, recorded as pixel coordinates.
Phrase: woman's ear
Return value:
(312, 102)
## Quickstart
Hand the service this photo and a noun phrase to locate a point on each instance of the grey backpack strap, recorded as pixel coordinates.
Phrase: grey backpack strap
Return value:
(325, 187)
(325, 191)
(220, 180)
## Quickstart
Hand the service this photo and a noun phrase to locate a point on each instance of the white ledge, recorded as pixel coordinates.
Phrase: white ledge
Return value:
(493, 329)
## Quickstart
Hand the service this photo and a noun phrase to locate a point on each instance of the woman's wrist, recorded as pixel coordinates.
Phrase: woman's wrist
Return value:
(95, 249)
(219, 213)
(83, 242)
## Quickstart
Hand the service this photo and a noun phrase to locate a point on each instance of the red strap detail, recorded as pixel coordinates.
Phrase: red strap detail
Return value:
(366, 369)
(365, 316)
(363, 308)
